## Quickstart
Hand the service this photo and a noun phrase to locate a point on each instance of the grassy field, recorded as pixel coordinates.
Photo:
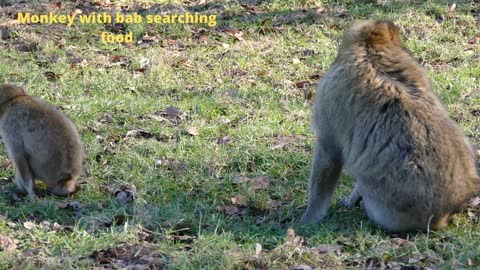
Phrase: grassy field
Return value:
(198, 140)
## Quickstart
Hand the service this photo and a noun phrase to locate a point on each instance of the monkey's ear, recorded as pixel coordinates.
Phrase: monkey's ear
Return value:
(22, 91)
(381, 33)
(393, 33)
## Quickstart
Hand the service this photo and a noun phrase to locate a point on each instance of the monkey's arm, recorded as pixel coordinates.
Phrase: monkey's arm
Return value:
(326, 170)
(23, 174)
(24, 178)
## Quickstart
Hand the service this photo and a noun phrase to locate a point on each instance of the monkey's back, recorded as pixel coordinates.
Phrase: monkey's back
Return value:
(395, 136)
(50, 139)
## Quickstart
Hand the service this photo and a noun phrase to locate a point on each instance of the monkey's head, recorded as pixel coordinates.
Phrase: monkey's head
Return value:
(372, 34)
(8, 91)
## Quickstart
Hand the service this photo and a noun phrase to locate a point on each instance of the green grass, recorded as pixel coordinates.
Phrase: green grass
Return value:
(240, 95)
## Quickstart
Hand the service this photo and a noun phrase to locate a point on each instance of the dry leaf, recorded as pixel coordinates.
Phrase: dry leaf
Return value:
(202, 39)
(77, 207)
(251, 9)
(327, 248)
(258, 182)
(241, 179)
(224, 140)
(51, 77)
(76, 12)
(273, 204)
(258, 249)
(147, 41)
(302, 267)
(95, 225)
(171, 114)
(233, 32)
(138, 133)
(77, 61)
(303, 84)
(9, 23)
(175, 43)
(344, 241)
(129, 256)
(123, 197)
(171, 164)
(61, 205)
(8, 244)
(183, 238)
(140, 70)
(307, 94)
(201, 2)
(5, 165)
(28, 47)
(29, 225)
(293, 239)
(116, 58)
(472, 262)
(144, 63)
(48, 226)
(400, 241)
(452, 7)
(11, 224)
(239, 201)
(231, 210)
(191, 130)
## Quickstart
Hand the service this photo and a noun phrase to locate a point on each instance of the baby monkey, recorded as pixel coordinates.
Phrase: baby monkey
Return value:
(42, 142)
(376, 115)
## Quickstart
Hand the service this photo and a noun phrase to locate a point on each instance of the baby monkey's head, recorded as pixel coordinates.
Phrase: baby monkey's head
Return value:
(8, 92)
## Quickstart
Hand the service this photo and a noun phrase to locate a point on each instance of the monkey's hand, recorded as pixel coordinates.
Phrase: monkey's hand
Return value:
(353, 199)
(77, 189)
(350, 202)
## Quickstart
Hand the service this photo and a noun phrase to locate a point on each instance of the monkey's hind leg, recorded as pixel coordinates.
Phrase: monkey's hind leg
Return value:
(353, 199)
(326, 170)
(24, 178)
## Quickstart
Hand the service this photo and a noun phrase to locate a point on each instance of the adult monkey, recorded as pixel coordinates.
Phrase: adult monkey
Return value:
(376, 115)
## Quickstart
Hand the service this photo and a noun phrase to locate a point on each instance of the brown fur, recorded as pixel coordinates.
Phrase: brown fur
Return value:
(376, 115)
(42, 142)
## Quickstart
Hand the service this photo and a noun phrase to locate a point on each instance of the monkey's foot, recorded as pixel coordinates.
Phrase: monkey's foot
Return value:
(33, 197)
(21, 195)
(312, 217)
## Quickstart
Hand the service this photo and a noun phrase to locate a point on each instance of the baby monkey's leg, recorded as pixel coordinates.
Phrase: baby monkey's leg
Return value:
(324, 176)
